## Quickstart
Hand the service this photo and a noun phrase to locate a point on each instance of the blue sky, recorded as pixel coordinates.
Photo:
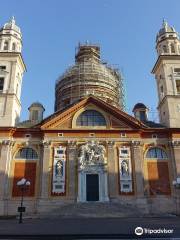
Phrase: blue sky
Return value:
(125, 30)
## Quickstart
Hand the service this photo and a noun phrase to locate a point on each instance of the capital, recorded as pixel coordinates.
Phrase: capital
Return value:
(46, 143)
(110, 143)
(136, 143)
(175, 143)
(8, 143)
(72, 144)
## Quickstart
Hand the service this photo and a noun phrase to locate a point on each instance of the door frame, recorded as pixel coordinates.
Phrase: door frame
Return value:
(103, 185)
(98, 187)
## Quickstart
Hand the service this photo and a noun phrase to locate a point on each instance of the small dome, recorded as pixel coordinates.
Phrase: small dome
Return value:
(139, 106)
(11, 25)
(166, 29)
(36, 104)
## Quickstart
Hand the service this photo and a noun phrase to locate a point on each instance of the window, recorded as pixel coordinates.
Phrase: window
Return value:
(123, 135)
(178, 86)
(91, 134)
(26, 153)
(2, 67)
(35, 115)
(1, 83)
(165, 49)
(172, 48)
(154, 135)
(13, 47)
(91, 118)
(177, 71)
(28, 135)
(161, 91)
(156, 153)
(60, 134)
(6, 45)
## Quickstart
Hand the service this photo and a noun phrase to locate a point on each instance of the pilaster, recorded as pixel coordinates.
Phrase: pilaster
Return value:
(72, 175)
(5, 162)
(138, 163)
(44, 192)
(176, 149)
(112, 170)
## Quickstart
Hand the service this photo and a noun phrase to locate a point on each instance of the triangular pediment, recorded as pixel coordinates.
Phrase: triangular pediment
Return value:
(116, 118)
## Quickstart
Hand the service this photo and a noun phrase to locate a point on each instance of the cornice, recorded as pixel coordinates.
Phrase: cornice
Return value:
(162, 57)
(13, 54)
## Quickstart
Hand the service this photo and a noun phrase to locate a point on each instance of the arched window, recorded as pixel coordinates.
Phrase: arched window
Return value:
(91, 118)
(156, 153)
(172, 48)
(6, 45)
(26, 153)
(13, 47)
(164, 49)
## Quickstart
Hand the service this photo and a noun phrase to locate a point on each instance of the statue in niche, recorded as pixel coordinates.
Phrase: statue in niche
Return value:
(124, 168)
(91, 153)
(59, 169)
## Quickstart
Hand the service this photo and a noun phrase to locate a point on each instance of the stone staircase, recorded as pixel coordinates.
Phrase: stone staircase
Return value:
(93, 209)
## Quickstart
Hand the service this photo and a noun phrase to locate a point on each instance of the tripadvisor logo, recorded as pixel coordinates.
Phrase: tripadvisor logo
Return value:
(139, 231)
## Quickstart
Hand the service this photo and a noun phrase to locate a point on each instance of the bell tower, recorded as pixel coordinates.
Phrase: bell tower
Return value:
(12, 68)
(167, 74)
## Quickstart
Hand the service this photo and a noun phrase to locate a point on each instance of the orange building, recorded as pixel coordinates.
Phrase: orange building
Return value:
(90, 149)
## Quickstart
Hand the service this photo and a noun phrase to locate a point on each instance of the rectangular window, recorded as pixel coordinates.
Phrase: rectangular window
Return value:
(178, 86)
(177, 71)
(2, 67)
(1, 83)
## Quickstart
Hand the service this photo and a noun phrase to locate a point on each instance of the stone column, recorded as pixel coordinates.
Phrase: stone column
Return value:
(72, 171)
(44, 191)
(138, 163)
(5, 162)
(112, 170)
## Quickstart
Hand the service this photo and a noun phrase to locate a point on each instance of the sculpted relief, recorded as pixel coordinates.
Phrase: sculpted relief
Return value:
(91, 153)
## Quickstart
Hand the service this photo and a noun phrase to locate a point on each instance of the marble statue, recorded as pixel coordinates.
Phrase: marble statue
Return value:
(91, 153)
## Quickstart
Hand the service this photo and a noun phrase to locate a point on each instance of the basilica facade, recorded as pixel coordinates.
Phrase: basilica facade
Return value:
(90, 149)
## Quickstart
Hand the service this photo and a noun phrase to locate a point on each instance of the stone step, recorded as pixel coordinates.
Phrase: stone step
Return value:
(93, 209)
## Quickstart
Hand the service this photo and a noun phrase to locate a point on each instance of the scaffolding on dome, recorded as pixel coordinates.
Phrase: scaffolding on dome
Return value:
(90, 76)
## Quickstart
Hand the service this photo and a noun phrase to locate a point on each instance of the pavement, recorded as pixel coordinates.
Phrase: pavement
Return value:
(91, 228)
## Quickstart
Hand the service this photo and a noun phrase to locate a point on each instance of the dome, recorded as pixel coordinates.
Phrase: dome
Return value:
(11, 25)
(36, 104)
(139, 106)
(166, 29)
(89, 76)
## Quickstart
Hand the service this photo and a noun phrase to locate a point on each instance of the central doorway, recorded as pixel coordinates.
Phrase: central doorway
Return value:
(92, 187)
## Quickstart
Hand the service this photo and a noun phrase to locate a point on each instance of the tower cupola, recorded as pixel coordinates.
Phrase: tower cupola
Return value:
(10, 37)
(36, 111)
(167, 40)
(141, 112)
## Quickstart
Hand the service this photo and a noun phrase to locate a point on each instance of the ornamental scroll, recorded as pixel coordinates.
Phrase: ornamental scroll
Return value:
(125, 169)
(59, 170)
